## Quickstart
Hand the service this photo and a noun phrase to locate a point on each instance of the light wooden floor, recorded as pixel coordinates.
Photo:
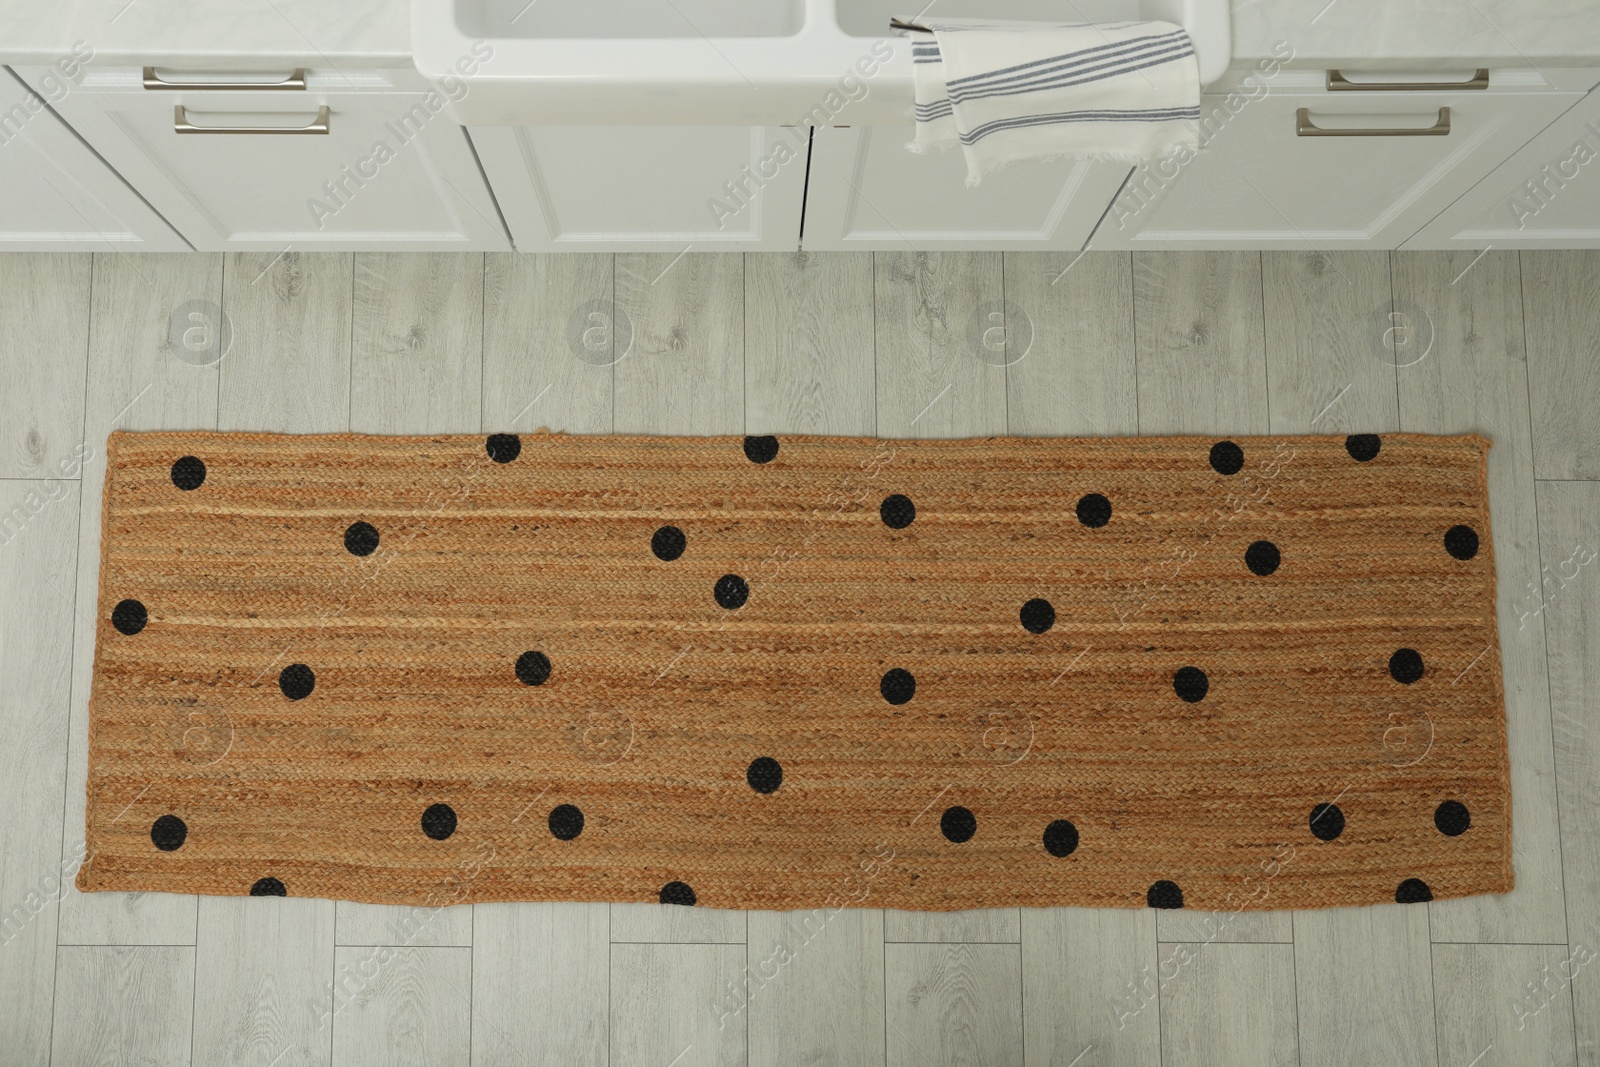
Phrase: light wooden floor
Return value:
(892, 344)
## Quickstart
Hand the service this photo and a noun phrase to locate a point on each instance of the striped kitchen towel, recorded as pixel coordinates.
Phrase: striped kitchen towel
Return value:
(1122, 92)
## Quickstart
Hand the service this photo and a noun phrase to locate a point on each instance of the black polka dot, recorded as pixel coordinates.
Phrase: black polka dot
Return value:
(1227, 457)
(1412, 891)
(361, 539)
(898, 685)
(268, 887)
(678, 892)
(759, 450)
(1461, 542)
(897, 512)
(1262, 558)
(168, 833)
(731, 591)
(1094, 510)
(188, 473)
(764, 774)
(1327, 822)
(958, 824)
(1061, 838)
(566, 822)
(533, 668)
(1362, 446)
(1452, 818)
(1405, 665)
(1191, 684)
(503, 447)
(129, 617)
(297, 680)
(668, 543)
(1037, 615)
(1164, 894)
(439, 821)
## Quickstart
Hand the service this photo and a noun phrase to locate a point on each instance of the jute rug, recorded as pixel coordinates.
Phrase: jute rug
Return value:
(799, 672)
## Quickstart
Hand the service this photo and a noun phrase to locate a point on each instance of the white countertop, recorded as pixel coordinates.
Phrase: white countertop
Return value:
(267, 33)
(1423, 34)
(245, 33)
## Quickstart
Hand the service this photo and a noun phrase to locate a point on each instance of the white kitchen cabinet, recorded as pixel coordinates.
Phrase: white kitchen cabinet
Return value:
(647, 188)
(1547, 195)
(1265, 178)
(392, 171)
(57, 196)
(867, 191)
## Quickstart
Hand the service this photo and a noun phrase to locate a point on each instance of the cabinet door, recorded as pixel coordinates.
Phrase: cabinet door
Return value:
(868, 191)
(58, 197)
(1545, 196)
(1258, 182)
(647, 188)
(393, 170)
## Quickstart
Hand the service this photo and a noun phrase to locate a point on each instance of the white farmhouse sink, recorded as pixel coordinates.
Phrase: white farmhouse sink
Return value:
(693, 62)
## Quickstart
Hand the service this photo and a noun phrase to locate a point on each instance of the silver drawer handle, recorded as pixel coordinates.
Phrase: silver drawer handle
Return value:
(296, 80)
(1304, 127)
(1337, 82)
(181, 124)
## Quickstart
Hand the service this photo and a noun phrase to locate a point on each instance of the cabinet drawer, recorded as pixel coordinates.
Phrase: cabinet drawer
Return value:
(1324, 170)
(347, 162)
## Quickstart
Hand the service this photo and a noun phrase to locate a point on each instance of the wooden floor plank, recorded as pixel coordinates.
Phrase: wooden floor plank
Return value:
(398, 925)
(665, 1006)
(38, 528)
(976, 925)
(808, 343)
(934, 378)
(122, 1004)
(1076, 377)
(675, 924)
(550, 337)
(1569, 541)
(1230, 1003)
(555, 956)
(289, 367)
(416, 1010)
(1090, 981)
(1561, 310)
(1198, 326)
(1506, 1004)
(266, 991)
(1475, 379)
(1330, 342)
(812, 988)
(44, 318)
(156, 334)
(952, 1005)
(416, 356)
(685, 372)
(1364, 985)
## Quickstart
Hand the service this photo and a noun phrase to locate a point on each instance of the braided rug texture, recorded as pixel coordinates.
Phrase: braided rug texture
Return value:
(799, 672)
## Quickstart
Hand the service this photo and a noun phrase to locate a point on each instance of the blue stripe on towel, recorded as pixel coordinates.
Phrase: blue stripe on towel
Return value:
(1078, 74)
(1145, 115)
(1083, 56)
